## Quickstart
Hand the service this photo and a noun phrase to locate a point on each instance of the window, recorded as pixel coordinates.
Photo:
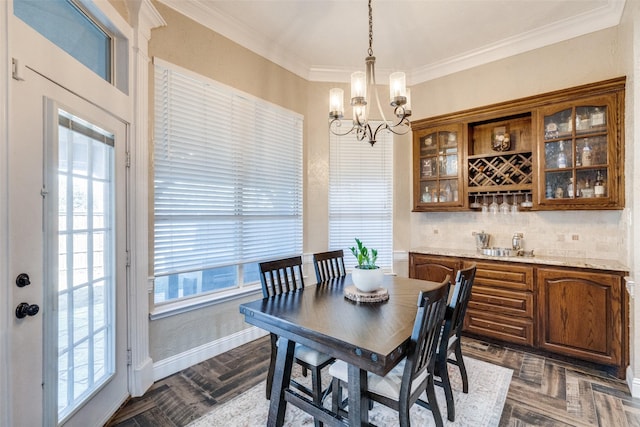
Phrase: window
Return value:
(227, 184)
(71, 29)
(361, 196)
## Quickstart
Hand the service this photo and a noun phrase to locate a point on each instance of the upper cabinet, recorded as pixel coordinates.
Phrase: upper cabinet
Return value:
(438, 176)
(559, 150)
(581, 155)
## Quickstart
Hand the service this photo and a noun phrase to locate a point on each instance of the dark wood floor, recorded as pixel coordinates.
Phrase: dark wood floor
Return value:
(543, 392)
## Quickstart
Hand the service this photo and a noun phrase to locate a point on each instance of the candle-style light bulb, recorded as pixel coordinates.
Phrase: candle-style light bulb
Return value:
(336, 103)
(397, 88)
(358, 88)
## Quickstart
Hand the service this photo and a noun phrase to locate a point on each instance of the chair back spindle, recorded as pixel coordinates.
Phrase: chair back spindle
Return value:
(280, 276)
(329, 265)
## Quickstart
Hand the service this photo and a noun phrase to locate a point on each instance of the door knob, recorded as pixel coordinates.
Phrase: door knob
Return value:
(24, 309)
(22, 280)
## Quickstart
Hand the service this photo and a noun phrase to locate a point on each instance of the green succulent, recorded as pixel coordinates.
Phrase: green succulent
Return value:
(366, 258)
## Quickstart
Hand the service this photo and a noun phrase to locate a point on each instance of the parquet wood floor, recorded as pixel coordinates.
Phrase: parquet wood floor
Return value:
(543, 391)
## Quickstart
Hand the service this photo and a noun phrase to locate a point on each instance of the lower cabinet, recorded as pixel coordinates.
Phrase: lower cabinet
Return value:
(434, 268)
(502, 302)
(564, 310)
(583, 314)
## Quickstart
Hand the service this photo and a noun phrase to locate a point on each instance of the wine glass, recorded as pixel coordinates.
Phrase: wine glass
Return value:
(514, 206)
(475, 204)
(504, 206)
(526, 203)
(493, 207)
(485, 207)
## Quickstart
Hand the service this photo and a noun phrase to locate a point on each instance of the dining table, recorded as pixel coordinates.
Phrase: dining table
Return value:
(368, 336)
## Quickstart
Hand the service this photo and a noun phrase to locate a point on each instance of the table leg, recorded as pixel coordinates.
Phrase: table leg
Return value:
(281, 380)
(358, 399)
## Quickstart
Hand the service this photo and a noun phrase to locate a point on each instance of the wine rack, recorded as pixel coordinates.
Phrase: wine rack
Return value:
(504, 172)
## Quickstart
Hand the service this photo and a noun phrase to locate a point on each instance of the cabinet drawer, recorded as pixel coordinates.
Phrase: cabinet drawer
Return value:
(505, 328)
(508, 276)
(502, 301)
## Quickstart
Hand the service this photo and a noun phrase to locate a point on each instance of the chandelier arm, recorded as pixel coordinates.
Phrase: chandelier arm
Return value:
(336, 124)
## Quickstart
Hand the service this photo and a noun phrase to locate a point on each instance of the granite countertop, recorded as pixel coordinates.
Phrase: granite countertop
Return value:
(598, 264)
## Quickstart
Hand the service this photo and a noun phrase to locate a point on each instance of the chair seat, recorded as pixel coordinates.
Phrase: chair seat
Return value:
(388, 386)
(308, 355)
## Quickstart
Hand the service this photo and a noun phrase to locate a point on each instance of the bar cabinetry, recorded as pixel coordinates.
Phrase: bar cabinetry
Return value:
(570, 311)
(560, 150)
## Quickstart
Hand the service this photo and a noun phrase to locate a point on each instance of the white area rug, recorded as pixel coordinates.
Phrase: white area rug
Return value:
(482, 406)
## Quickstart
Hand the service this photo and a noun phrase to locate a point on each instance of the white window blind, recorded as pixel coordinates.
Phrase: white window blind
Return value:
(361, 196)
(228, 175)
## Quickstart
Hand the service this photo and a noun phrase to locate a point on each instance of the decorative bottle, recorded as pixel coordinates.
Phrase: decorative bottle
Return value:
(598, 186)
(562, 157)
(587, 154)
(426, 196)
(570, 188)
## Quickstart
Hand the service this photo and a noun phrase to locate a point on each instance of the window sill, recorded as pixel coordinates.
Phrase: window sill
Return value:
(186, 305)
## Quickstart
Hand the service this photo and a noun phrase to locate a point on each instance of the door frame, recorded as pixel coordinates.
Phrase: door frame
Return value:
(5, 288)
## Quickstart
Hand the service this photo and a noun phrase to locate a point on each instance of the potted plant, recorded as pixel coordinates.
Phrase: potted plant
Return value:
(367, 276)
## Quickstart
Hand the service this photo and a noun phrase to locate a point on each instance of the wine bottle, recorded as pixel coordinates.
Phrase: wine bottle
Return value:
(598, 186)
(562, 157)
(587, 154)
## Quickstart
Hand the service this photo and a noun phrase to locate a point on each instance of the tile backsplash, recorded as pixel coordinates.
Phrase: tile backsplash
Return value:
(575, 234)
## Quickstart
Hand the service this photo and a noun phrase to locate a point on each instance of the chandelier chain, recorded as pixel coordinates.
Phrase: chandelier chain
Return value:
(370, 51)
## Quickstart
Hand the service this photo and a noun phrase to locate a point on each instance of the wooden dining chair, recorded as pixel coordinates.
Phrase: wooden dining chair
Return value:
(404, 384)
(329, 265)
(282, 276)
(450, 337)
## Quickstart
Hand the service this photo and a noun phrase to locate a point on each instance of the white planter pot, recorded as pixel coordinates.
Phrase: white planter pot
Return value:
(367, 280)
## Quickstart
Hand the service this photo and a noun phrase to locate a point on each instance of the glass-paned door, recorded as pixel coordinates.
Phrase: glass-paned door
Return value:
(86, 234)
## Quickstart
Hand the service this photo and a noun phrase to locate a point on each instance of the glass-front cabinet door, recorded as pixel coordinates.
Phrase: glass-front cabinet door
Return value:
(438, 176)
(578, 155)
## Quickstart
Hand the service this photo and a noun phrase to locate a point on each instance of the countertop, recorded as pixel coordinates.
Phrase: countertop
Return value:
(598, 264)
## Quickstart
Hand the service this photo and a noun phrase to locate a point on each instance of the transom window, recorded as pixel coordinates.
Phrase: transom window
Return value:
(80, 28)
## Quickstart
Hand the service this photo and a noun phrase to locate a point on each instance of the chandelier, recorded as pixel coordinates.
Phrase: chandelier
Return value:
(363, 83)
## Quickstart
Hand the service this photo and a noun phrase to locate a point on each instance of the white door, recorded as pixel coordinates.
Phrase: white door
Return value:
(67, 233)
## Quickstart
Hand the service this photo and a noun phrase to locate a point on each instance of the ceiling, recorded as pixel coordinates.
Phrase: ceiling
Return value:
(326, 40)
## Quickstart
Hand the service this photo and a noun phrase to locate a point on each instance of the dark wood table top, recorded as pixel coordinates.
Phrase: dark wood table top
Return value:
(373, 336)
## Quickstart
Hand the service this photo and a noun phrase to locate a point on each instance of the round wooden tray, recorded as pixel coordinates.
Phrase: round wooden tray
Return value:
(379, 295)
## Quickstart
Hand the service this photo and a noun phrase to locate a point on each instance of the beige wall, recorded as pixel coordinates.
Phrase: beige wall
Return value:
(192, 46)
(582, 60)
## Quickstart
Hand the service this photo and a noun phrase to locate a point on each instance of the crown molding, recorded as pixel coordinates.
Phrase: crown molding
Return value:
(606, 16)
(231, 28)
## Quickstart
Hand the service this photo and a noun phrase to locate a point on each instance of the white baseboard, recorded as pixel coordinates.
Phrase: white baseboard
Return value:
(633, 383)
(141, 378)
(177, 363)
